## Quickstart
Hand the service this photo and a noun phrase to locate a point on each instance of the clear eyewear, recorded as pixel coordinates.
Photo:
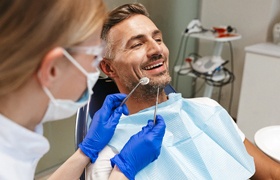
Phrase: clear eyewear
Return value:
(96, 51)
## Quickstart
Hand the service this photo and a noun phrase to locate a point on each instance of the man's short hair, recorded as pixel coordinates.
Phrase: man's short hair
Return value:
(116, 16)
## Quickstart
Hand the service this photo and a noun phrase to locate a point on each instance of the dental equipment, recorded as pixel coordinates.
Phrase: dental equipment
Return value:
(155, 113)
(143, 81)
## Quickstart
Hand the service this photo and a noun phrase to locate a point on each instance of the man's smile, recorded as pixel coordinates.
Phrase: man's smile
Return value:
(153, 66)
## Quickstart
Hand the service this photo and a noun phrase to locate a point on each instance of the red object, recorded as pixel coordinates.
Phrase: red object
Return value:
(220, 30)
(188, 60)
(226, 35)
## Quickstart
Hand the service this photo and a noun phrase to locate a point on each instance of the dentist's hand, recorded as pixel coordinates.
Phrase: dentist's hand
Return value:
(141, 149)
(103, 126)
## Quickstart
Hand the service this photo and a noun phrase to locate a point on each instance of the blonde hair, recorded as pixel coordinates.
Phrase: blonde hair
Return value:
(31, 28)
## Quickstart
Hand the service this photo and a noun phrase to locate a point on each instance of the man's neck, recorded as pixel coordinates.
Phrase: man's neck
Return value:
(136, 104)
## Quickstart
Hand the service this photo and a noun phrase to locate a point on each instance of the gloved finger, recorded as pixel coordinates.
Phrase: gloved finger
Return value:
(110, 103)
(160, 125)
(124, 109)
(113, 100)
(150, 123)
(115, 117)
(158, 118)
(146, 129)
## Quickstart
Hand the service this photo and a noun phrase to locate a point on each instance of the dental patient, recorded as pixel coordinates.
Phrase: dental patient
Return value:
(201, 139)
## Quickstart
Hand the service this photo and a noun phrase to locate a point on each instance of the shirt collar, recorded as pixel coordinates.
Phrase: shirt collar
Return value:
(20, 142)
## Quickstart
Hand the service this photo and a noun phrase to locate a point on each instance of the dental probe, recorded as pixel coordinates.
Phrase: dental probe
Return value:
(155, 113)
(143, 81)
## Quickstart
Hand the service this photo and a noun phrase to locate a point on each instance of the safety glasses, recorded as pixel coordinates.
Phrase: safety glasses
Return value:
(96, 51)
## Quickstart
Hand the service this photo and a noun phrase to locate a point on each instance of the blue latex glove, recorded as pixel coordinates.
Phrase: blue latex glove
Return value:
(141, 149)
(103, 126)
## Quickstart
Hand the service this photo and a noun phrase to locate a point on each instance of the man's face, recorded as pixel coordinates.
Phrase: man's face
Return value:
(139, 51)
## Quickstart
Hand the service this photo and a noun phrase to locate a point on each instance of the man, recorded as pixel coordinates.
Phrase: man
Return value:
(201, 140)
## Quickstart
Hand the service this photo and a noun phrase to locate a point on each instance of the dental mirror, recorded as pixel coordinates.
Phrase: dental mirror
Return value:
(142, 81)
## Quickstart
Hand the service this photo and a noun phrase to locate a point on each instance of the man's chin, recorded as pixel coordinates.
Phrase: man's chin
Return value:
(160, 82)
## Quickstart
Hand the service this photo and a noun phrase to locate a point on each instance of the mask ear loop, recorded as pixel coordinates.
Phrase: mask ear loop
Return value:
(73, 61)
(49, 94)
(47, 91)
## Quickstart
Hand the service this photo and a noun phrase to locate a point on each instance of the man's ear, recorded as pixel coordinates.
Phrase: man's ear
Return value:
(106, 66)
(48, 70)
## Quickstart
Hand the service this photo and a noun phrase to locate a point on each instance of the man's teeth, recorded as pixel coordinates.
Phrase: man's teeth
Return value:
(153, 66)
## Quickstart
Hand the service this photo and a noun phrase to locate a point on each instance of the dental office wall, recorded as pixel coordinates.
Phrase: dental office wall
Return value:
(253, 19)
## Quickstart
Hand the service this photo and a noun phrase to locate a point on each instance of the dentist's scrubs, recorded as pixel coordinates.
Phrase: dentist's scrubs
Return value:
(20, 150)
(201, 141)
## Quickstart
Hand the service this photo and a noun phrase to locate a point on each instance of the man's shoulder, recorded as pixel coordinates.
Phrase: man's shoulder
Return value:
(202, 101)
(190, 102)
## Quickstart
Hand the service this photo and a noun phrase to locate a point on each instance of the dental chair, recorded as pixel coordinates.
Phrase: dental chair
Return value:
(102, 88)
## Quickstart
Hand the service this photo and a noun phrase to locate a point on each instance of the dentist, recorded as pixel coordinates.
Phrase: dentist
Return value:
(49, 53)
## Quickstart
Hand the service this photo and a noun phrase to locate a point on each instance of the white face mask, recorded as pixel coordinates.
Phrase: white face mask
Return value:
(64, 108)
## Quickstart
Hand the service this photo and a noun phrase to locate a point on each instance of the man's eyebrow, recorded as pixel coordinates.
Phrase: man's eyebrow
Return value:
(156, 32)
(140, 36)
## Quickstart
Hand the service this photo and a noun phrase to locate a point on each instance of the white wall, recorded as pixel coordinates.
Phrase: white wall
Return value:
(252, 18)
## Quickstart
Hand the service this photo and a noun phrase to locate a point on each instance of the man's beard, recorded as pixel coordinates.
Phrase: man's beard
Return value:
(149, 91)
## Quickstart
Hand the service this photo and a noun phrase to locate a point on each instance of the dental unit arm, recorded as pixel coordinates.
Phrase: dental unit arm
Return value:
(219, 35)
(207, 66)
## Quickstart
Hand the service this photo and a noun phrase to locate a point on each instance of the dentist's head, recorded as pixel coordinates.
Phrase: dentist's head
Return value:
(49, 53)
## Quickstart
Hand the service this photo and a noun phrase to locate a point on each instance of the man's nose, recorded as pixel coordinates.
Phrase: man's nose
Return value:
(154, 48)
